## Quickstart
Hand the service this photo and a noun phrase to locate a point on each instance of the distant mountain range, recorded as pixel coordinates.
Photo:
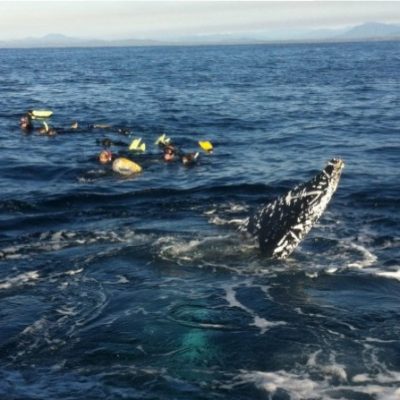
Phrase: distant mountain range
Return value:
(57, 40)
(373, 30)
(365, 32)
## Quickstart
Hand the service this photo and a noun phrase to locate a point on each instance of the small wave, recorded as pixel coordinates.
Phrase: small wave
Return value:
(237, 222)
(222, 214)
(303, 386)
(16, 206)
(201, 317)
(368, 258)
(73, 309)
(55, 241)
(225, 252)
(295, 386)
(333, 369)
(390, 274)
(92, 176)
(26, 278)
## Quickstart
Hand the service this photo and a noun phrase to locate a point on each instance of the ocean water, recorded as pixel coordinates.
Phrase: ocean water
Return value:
(142, 288)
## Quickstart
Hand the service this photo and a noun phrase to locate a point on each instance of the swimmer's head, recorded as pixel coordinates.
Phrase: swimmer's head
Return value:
(47, 130)
(75, 125)
(169, 153)
(190, 158)
(105, 157)
(25, 122)
(124, 131)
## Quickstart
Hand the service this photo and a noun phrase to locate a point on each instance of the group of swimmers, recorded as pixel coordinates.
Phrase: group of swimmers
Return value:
(123, 164)
(26, 123)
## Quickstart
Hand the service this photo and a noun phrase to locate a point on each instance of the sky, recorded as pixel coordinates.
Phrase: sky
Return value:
(168, 19)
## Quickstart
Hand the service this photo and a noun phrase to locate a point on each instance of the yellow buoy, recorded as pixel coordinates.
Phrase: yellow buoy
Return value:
(41, 114)
(125, 167)
(206, 146)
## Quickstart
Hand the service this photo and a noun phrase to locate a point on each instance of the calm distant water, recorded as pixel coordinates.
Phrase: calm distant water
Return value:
(142, 288)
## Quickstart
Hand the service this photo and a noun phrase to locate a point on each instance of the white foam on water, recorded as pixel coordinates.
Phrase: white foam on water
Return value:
(63, 285)
(336, 370)
(331, 270)
(68, 311)
(361, 378)
(26, 278)
(266, 291)
(175, 248)
(368, 258)
(333, 369)
(230, 207)
(390, 274)
(122, 279)
(312, 359)
(218, 215)
(373, 384)
(301, 387)
(388, 377)
(341, 256)
(375, 340)
(368, 261)
(210, 212)
(38, 325)
(59, 366)
(265, 325)
(259, 322)
(55, 241)
(216, 220)
(233, 208)
(74, 272)
(206, 252)
(298, 388)
(383, 393)
(382, 385)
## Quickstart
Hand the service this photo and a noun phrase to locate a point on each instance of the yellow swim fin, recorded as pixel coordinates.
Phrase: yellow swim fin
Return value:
(137, 145)
(206, 146)
(163, 139)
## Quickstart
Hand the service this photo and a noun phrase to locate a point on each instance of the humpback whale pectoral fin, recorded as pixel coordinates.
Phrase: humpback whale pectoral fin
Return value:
(281, 224)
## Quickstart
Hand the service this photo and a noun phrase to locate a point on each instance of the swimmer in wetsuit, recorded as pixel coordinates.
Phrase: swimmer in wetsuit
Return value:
(189, 159)
(172, 153)
(25, 123)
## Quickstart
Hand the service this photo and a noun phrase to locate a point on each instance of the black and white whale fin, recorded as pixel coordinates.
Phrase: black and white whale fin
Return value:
(283, 223)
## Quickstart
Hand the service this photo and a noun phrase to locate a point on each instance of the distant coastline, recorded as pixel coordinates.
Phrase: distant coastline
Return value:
(371, 31)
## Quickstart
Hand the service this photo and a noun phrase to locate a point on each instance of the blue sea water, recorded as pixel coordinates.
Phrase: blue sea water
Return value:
(142, 288)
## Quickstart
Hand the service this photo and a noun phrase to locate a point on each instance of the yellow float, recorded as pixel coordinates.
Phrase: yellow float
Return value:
(125, 167)
(41, 114)
(206, 146)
